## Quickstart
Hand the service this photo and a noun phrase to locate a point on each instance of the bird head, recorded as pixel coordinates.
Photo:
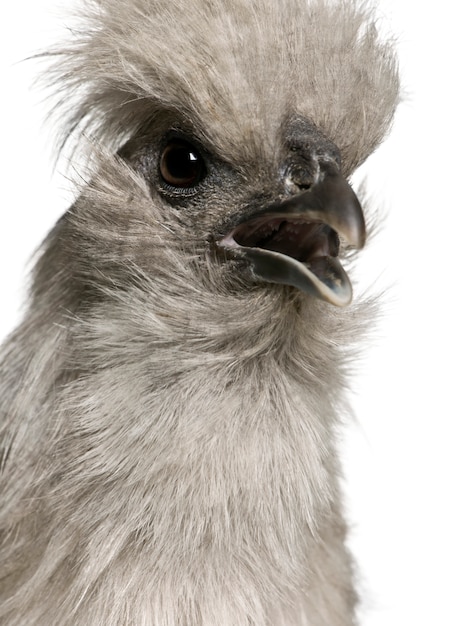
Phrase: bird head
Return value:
(239, 123)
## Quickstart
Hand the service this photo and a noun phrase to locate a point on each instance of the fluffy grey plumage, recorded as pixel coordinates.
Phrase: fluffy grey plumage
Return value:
(168, 409)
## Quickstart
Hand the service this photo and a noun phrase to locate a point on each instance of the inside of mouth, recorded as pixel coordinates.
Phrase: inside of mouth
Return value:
(307, 242)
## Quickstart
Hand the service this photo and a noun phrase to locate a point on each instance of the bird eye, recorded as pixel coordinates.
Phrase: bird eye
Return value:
(181, 164)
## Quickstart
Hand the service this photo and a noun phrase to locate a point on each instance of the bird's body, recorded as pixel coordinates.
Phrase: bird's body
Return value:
(171, 400)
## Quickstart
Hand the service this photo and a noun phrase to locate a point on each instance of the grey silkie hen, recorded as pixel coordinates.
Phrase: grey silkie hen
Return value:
(169, 404)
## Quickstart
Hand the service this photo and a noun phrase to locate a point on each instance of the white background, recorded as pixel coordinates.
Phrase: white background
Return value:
(398, 458)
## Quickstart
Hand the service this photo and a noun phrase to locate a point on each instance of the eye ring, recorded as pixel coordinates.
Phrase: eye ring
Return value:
(181, 164)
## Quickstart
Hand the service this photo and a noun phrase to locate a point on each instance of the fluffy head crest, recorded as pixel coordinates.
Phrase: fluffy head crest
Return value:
(235, 69)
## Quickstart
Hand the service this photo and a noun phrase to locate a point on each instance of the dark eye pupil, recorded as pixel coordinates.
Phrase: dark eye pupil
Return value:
(181, 165)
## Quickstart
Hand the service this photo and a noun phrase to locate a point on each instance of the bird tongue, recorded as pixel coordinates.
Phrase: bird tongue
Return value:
(297, 238)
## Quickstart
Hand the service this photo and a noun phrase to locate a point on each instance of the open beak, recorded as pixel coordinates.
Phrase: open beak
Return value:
(296, 242)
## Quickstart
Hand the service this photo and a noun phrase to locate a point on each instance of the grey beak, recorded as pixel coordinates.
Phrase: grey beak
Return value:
(296, 242)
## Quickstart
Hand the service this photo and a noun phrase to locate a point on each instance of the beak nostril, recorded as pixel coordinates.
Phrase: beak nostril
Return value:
(302, 180)
(297, 181)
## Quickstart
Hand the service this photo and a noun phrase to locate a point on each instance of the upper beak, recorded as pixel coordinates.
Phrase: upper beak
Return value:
(296, 242)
